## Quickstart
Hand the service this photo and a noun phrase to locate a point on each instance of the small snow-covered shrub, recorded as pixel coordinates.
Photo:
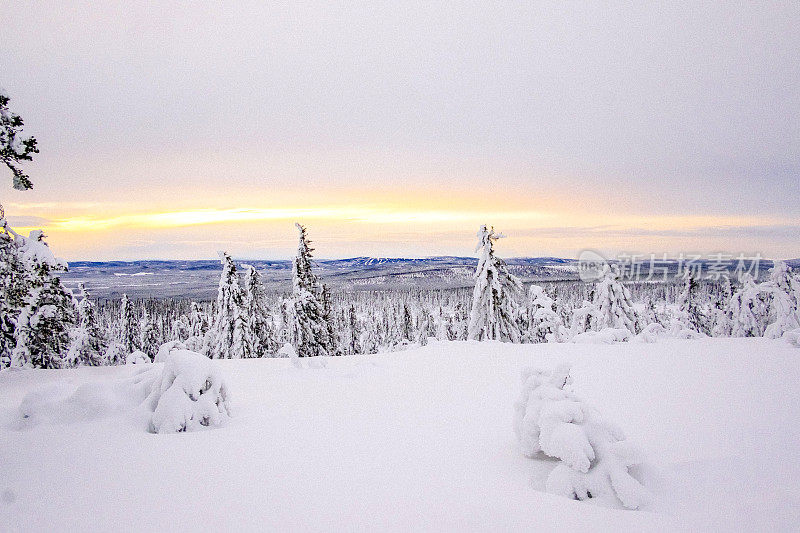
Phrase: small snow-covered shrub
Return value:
(189, 394)
(651, 333)
(138, 357)
(594, 456)
(287, 351)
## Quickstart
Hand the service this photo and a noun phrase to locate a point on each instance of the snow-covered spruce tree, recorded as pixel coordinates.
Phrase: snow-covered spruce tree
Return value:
(25, 264)
(129, 333)
(180, 330)
(544, 324)
(13, 147)
(88, 340)
(7, 334)
(327, 315)
(595, 458)
(692, 315)
(14, 286)
(310, 327)
(230, 336)
(353, 333)
(43, 327)
(722, 322)
(784, 303)
(262, 328)
(150, 336)
(406, 324)
(748, 310)
(198, 321)
(613, 307)
(494, 299)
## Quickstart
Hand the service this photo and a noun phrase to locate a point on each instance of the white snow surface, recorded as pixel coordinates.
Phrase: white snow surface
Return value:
(415, 440)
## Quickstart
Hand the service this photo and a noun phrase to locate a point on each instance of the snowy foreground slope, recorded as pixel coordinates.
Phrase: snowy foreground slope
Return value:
(414, 440)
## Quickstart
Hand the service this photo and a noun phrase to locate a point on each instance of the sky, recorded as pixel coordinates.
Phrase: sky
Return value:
(174, 130)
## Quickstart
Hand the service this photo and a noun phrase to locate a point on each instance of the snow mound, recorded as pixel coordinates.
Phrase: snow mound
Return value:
(604, 336)
(165, 349)
(595, 457)
(190, 394)
(184, 393)
(288, 351)
(62, 403)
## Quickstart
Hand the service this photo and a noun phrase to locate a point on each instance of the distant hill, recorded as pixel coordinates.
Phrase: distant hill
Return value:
(198, 279)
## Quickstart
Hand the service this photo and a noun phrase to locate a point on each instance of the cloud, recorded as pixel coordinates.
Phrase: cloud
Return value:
(27, 221)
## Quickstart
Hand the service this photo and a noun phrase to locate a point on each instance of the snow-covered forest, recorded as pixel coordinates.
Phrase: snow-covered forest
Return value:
(48, 326)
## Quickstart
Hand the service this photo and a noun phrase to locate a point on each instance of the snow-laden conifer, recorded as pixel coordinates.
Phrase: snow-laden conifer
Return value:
(311, 332)
(189, 394)
(784, 291)
(721, 320)
(129, 331)
(48, 310)
(198, 321)
(13, 147)
(692, 314)
(262, 327)
(612, 305)
(544, 324)
(150, 336)
(88, 340)
(494, 299)
(230, 336)
(43, 327)
(748, 309)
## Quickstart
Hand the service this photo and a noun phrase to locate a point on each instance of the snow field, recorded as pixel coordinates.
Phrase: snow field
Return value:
(415, 440)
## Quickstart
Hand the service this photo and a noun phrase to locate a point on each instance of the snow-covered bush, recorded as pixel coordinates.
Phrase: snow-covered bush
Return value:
(651, 333)
(594, 456)
(287, 351)
(137, 357)
(188, 395)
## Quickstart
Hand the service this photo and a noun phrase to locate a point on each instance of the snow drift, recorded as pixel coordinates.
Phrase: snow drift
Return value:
(185, 393)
